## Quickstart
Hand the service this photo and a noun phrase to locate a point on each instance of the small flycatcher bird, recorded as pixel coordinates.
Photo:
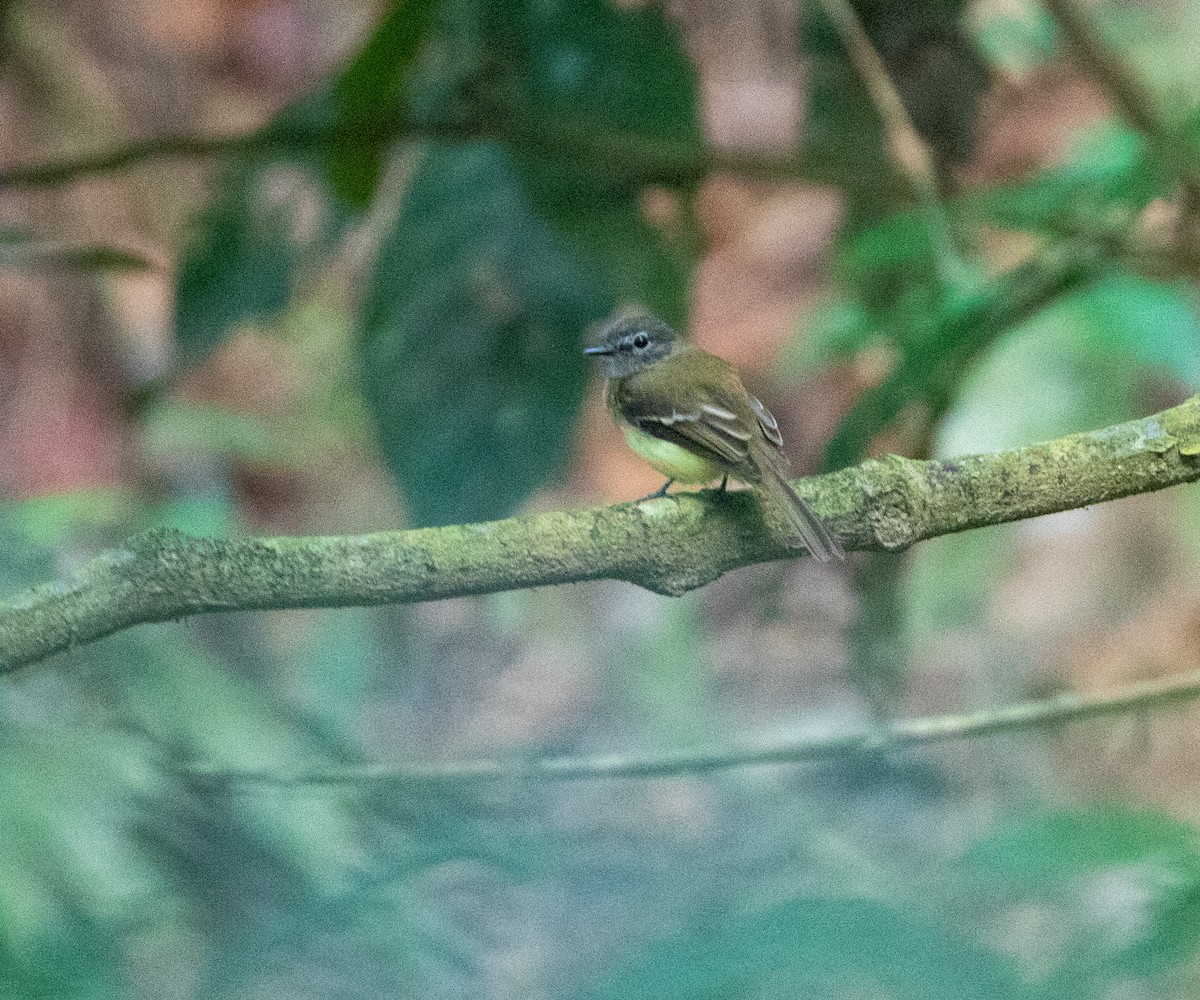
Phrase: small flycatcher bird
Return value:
(687, 413)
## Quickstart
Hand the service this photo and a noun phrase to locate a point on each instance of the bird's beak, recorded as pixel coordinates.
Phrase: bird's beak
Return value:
(598, 349)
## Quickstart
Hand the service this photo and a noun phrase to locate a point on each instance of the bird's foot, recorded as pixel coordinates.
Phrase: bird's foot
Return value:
(657, 495)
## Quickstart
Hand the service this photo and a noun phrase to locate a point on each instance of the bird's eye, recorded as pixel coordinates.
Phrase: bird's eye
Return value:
(640, 341)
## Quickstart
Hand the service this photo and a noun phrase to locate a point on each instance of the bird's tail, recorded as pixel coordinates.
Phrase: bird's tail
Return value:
(789, 517)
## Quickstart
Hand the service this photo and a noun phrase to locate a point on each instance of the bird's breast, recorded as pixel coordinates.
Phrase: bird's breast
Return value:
(670, 459)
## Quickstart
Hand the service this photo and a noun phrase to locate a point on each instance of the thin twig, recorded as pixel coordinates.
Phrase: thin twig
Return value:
(908, 150)
(1057, 711)
(649, 163)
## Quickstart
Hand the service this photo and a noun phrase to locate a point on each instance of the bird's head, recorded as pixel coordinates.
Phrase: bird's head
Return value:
(630, 343)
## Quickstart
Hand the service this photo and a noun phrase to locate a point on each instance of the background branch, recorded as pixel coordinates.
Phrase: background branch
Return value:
(670, 546)
(1056, 711)
(609, 151)
(909, 152)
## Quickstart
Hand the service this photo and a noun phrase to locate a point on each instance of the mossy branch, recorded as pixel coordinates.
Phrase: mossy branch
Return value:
(669, 546)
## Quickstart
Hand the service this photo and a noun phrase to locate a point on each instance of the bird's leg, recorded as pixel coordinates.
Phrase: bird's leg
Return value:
(661, 493)
(724, 483)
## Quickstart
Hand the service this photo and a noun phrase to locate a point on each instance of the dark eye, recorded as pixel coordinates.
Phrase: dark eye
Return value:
(640, 340)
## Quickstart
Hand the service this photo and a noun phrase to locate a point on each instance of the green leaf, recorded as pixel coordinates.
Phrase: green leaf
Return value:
(608, 229)
(58, 519)
(596, 69)
(370, 94)
(241, 266)
(1068, 367)
(819, 949)
(1110, 175)
(1045, 852)
(470, 361)
(621, 80)
(939, 339)
(902, 240)
(1153, 323)
(1017, 38)
(280, 209)
(1146, 864)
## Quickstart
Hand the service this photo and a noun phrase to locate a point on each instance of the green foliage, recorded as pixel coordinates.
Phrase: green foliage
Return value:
(242, 265)
(503, 253)
(1067, 368)
(583, 70)
(937, 333)
(1020, 40)
(369, 95)
(819, 948)
(279, 209)
(1110, 176)
(471, 358)
(529, 139)
(1074, 860)
(938, 338)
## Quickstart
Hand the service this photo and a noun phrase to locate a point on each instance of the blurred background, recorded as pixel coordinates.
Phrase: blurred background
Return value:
(317, 267)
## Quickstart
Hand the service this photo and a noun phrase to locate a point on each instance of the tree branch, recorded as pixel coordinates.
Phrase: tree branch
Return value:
(628, 156)
(669, 546)
(1057, 711)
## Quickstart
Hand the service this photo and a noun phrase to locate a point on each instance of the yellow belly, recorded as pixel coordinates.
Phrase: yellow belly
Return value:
(671, 460)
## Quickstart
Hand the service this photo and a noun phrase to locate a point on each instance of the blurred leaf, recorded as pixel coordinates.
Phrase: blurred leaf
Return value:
(161, 685)
(606, 225)
(1134, 876)
(369, 94)
(1154, 324)
(471, 358)
(1017, 40)
(844, 141)
(814, 948)
(201, 516)
(938, 341)
(1110, 176)
(1068, 368)
(57, 519)
(902, 240)
(840, 328)
(593, 68)
(619, 77)
(279, 210)
(1045, 852)
(251, 239)
(951, 579)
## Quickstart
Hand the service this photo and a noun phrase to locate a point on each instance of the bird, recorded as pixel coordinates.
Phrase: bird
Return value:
(687, 413)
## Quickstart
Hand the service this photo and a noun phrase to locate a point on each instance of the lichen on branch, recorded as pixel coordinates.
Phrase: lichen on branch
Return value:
(670, 545)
